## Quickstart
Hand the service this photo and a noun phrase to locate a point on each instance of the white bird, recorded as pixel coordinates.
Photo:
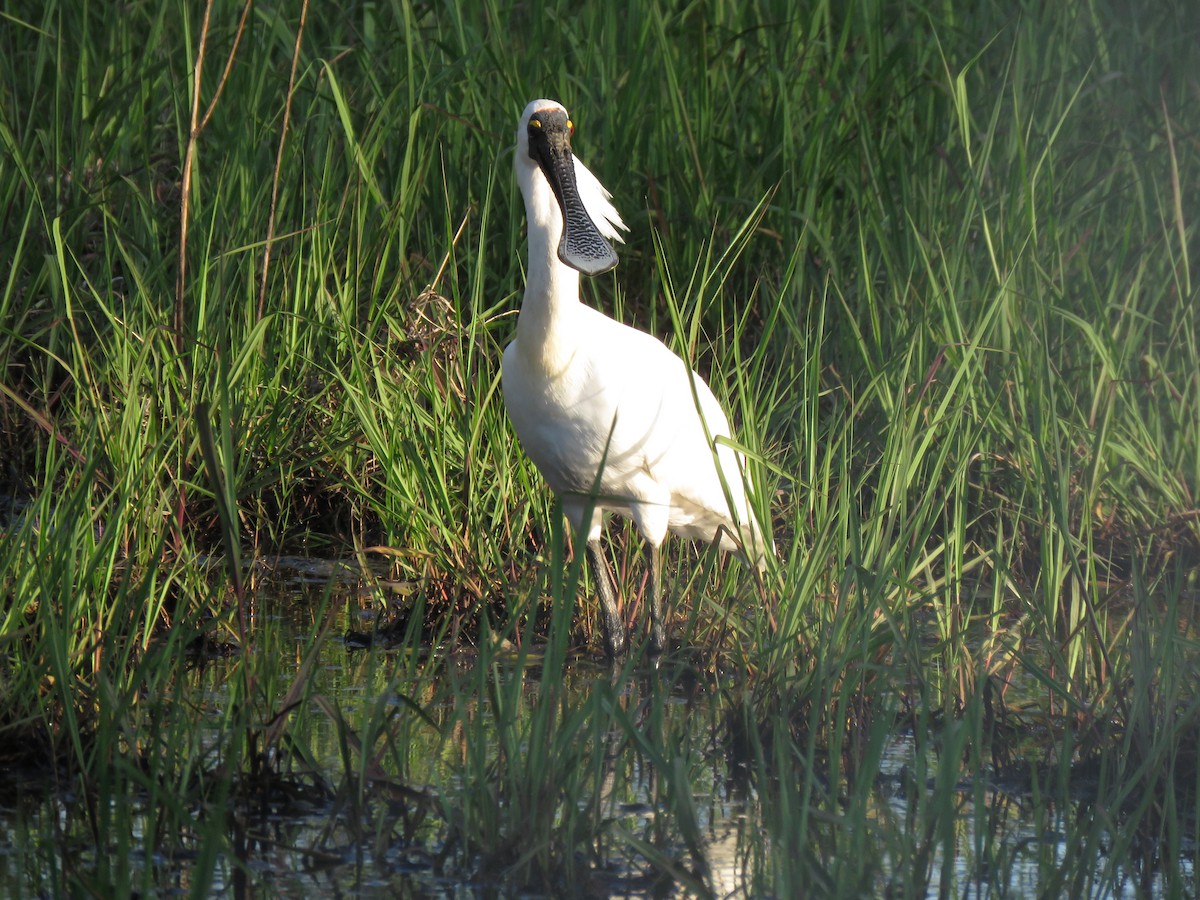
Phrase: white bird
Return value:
(613, 419)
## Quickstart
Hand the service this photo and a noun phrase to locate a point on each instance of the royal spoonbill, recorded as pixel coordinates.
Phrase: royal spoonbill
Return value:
(613, 419)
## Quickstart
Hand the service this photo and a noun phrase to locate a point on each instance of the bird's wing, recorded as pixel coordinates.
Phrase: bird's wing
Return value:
(597, 200)
(712, 494)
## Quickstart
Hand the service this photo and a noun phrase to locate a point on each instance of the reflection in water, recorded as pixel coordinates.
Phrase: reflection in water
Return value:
(647, 769)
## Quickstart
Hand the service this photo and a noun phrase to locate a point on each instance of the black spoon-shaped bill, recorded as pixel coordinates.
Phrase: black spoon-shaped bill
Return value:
(582, 246)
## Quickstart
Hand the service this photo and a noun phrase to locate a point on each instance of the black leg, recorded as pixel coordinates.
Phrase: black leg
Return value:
(610, 616)
(658, 628)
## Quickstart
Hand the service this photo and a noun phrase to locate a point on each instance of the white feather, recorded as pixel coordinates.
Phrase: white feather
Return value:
(598, 202)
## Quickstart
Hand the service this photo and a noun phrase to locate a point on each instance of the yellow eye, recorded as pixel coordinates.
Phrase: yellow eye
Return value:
(570, 126)
(535, 123)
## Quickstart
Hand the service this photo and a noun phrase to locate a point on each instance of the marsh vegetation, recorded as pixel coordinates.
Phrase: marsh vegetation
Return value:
(260, 266)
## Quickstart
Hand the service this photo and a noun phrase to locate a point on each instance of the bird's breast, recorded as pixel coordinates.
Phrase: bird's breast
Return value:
(567, 420)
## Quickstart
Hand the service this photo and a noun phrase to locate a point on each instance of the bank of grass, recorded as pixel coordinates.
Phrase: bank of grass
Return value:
(939, 267)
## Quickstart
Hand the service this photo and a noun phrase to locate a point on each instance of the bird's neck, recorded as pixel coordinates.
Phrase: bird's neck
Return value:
(551, 292)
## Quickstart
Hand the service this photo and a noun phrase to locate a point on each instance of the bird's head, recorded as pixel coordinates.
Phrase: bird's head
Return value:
(588, 218)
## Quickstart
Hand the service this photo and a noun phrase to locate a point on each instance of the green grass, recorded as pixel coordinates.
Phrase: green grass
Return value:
(939, 265)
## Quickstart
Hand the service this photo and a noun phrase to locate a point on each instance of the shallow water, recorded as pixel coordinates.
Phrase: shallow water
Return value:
(309, 841)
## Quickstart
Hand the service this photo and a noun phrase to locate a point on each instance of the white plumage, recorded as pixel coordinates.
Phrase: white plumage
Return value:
(609, 415)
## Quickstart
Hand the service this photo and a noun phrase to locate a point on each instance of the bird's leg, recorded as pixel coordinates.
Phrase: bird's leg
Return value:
(610, 616)
(658, 628)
